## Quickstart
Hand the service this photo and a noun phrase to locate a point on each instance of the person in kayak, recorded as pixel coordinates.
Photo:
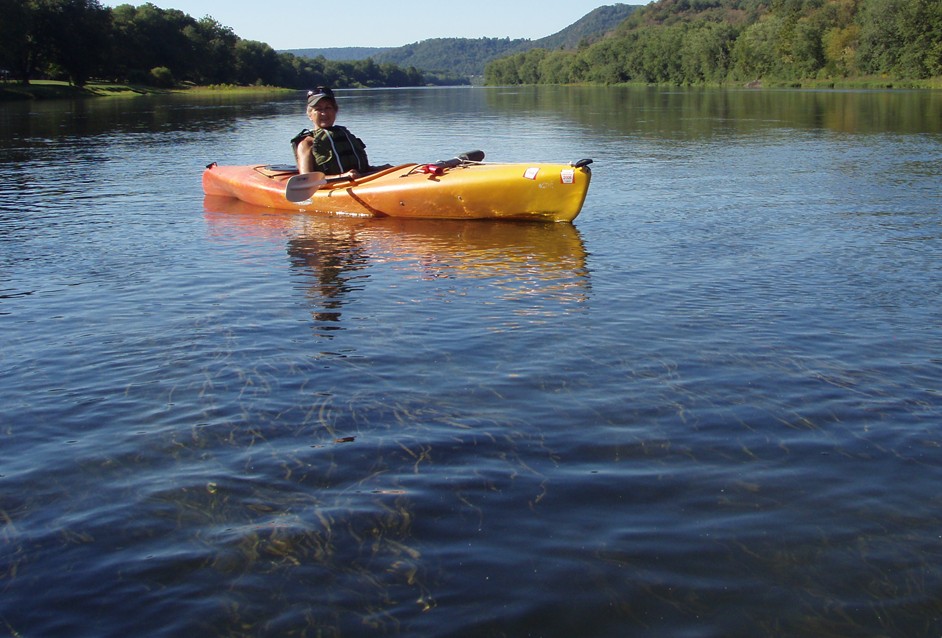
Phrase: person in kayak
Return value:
(328, 148)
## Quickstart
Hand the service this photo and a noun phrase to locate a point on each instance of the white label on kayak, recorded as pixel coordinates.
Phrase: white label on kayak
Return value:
(568, 176)
(532, 172)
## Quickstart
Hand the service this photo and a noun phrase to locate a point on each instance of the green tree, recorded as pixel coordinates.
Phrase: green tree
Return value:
(255, 63)
(557, 68)
(755, 54)
(881, 35)
(17, 38)
(502, 72)
(76, 35)
(147, 37)
(604, 62)
(921, 29)
(840, 50)
(46, 35)
(528, 66)
(213, 49)
(162, 77)
(707, 51)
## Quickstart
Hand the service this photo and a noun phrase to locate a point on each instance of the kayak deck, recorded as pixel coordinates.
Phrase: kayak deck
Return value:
(469, 190)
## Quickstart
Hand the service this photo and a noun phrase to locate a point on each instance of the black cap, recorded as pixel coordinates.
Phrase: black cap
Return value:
(316, 95)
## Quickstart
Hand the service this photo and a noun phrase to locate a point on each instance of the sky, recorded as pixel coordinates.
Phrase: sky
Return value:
(308, 24)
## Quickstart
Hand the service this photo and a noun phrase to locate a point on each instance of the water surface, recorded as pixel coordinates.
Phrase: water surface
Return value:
(709, 408)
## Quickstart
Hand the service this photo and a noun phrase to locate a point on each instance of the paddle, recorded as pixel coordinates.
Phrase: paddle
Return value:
(472, 156)
(302, 187)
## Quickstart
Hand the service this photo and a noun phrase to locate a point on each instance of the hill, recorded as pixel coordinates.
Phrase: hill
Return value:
(338, 54)
(468, 56)
(748, 42)
(592, 27)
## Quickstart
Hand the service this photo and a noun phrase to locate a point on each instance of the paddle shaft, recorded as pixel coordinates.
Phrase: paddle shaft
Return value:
(302, 187)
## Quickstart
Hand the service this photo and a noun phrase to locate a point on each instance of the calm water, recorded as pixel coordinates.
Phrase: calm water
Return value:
(709, 408)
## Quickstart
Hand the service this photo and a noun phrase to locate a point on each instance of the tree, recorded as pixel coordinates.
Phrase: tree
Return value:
(755, 54)
(75, 36)
(162, 77)
(501, 72)
(213, 46)
(256, 62)
(706, 52)
(921, 29)
(890, 34)
(147, 37)
(528, 65)
(557, 68)
(17, 41)
(840, 47)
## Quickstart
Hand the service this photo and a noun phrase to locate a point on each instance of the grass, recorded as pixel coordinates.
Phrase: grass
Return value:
(865, 82)
(860, 83)
(55, 90)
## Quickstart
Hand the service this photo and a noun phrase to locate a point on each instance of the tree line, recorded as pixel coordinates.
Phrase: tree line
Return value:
(690, 42)
(77, 40)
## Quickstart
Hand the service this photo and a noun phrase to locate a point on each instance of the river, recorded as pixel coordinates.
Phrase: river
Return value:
(708, 408)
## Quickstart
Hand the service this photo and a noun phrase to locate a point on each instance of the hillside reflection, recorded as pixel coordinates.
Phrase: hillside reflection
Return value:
(699, 113)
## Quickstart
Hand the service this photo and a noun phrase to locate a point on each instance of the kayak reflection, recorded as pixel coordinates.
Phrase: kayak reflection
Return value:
(338, 255)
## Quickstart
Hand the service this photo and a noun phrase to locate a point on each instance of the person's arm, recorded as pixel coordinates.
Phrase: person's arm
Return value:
(304, 156)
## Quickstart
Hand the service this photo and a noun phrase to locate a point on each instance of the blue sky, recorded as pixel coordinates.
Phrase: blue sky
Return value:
(302, 24)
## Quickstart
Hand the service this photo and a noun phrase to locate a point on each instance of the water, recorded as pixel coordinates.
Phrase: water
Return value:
(709, 408)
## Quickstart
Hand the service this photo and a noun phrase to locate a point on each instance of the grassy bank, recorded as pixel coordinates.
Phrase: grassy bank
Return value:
(53, 90)
(873, 83)
(869, 82)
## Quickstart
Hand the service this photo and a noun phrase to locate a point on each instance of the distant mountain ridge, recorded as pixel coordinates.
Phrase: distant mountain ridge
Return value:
(469, 56)
(338, 54)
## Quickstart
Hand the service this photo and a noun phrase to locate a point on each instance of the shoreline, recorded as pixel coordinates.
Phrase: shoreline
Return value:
(58, 90)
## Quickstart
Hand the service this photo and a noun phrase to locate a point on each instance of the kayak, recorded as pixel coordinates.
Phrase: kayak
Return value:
(452, 189)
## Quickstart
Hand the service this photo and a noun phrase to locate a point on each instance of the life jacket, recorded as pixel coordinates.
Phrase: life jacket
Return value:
(336, 150)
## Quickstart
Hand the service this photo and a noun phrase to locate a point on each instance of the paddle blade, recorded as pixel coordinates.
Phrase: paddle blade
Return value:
(302, 187)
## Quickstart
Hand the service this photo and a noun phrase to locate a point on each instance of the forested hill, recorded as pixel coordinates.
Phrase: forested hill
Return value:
(469, 56)
(748, 41)
(590, 28)
(338, 53)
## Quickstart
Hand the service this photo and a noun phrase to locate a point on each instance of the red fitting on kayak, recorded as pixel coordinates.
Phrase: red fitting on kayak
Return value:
(432, 169)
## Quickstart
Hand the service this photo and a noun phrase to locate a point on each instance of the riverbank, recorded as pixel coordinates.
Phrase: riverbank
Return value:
(54, 90)
(862, 83)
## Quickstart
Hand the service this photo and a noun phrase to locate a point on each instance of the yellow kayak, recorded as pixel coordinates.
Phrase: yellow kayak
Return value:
(454, 189)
